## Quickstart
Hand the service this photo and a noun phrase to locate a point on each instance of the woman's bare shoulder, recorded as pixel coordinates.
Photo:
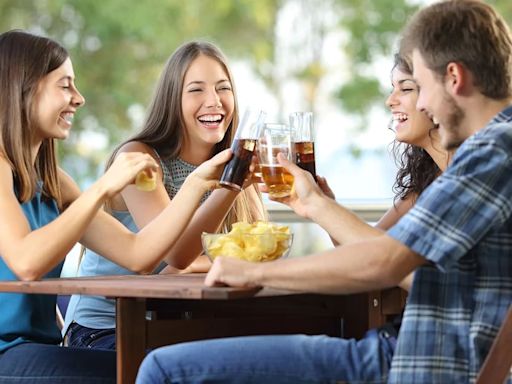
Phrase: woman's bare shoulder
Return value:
(6, 172)
(137, 146)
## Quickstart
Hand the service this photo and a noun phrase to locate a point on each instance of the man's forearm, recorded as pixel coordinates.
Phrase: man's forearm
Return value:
(378, 263)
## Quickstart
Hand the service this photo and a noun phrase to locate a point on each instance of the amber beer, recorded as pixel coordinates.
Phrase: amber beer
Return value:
(278, 180)
(237, 169)
(304, 156)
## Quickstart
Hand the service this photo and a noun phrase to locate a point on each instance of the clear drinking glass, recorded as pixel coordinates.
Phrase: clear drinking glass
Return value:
(243, 146)
(303, 142)
(275, 139)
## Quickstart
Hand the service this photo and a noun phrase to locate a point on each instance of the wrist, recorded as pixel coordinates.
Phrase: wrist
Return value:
(98, 191)
(317, 206)
(256, 274)
(196, 184)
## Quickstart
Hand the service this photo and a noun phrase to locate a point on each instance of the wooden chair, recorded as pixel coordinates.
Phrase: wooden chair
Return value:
(498, 363)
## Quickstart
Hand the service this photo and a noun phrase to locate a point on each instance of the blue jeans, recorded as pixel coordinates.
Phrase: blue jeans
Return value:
(282, 359)
(52, 364)
(83, 337)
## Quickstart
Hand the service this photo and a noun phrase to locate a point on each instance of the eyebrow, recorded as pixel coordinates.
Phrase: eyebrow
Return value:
(202, 82)
(404, 80)
(66, 78)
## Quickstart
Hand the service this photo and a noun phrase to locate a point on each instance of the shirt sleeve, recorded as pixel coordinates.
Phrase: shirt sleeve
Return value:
(458, 209)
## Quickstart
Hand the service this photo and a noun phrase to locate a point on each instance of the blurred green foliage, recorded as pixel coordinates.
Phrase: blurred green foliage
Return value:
(119, 47)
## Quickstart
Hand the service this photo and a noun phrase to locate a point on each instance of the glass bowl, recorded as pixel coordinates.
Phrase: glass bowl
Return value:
(247, 246)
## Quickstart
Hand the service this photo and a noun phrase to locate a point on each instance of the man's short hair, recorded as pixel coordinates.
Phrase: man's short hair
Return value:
(468, 32)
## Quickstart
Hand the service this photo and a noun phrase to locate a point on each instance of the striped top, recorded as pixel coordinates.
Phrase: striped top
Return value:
(462, 224)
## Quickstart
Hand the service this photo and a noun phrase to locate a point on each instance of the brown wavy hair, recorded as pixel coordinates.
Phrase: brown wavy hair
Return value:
(416, 169)
(163, 128)
(24, 60)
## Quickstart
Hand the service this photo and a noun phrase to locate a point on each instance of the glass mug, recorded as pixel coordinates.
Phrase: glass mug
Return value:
(303, 142)
(274, 140)
(243, 147)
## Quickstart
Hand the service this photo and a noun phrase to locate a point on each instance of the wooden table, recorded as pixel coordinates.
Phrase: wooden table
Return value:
(181, 308)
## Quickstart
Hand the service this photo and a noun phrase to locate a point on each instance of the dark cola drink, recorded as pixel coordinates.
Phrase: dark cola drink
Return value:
(237, 169)
(304, 156)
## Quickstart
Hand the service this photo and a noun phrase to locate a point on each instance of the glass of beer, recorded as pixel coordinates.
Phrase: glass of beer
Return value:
(303, 142)
(275, 139)
(243, 146)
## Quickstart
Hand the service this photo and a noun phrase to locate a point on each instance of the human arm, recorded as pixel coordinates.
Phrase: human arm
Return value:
(141, 252)
(376, 263)
(343, 225)
(310, 201)
(145, 206)
(31, 254)
(390, 218)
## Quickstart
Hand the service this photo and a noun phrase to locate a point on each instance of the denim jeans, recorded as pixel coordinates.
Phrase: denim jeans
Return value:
(52, 364)
(83, 337)
(282, 359)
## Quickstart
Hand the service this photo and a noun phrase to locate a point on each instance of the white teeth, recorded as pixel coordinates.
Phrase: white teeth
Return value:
(210, 118)
(68, 117)
(434, 120)
(400, 117)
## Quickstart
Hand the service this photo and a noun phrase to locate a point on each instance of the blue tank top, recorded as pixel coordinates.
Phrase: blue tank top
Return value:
(30, 317)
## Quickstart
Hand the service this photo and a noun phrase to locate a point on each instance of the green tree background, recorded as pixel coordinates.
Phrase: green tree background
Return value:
(119, 47)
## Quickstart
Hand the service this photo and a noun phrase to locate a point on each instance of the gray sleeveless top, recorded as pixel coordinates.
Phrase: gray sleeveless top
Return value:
(175, 172)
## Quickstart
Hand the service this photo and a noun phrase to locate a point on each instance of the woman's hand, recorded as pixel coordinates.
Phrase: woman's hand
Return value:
(124, 169)
(322, 183)
(208, 173)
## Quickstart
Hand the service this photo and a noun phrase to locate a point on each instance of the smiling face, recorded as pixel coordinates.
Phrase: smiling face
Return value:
(55, 103)
(411, 126)
(434, 100)
(207, 102)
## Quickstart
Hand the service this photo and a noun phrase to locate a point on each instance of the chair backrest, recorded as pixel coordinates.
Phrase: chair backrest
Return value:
(498, 363)
(62, 306)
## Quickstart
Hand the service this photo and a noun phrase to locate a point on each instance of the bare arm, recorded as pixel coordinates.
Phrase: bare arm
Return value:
(31, 254)
(207, 218)
(141, 252)
(145, 206)
(376, 263)
(343, 225)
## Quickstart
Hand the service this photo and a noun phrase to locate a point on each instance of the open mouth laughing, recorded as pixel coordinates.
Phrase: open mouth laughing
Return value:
(211, 120)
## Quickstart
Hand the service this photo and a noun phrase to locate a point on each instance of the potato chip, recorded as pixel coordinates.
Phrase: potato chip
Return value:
(145, 183)
(260, 241)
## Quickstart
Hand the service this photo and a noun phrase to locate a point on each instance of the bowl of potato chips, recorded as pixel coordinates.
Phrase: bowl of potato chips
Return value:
(260, 241)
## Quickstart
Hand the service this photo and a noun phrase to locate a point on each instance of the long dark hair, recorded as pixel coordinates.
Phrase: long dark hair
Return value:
(416, 168)
(163, 128)
(24, 60)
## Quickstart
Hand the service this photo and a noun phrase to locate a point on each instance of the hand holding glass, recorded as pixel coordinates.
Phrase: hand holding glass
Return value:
(278, 180)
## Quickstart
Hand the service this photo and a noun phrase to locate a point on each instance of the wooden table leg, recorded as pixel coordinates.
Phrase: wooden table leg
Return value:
(130, 337)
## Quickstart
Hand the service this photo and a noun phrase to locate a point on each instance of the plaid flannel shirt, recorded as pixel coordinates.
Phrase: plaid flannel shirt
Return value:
(462, 224)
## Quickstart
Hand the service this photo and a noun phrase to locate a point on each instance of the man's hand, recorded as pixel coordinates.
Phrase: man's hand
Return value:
(232, 272)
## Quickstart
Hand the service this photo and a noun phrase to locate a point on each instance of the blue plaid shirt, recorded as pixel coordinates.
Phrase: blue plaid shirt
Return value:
(462, 224)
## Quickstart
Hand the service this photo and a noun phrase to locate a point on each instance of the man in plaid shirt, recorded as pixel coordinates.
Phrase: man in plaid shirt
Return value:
(457, 238)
